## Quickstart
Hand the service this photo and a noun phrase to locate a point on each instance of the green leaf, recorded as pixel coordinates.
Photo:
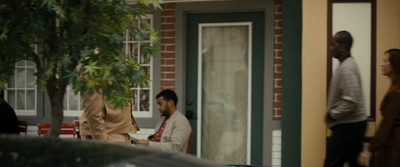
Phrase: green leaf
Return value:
(60, 11)
(91, 68)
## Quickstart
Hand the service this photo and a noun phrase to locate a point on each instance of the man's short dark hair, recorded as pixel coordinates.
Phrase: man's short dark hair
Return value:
(168, 95)
(2, 94)
(344, 37)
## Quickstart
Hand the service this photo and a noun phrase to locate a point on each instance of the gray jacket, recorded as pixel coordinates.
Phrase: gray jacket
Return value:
(345, 99)
(176, 133)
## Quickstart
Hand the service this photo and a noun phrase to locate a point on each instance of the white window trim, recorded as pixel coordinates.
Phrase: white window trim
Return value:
(144, 114)
(24, 112)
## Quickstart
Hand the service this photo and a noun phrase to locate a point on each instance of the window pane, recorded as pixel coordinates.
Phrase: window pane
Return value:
(11, 98)
(135, 22)
(30, 100)
(359, 25)
(11, 82)
(30, 63)
(135, 99)
(144, 56)
(20, 100)
(224, 99)
(73, 100)
(20, 78)
(145, 27)
(21, 63)
(144, 100)
(65, 103)
(124, 34)
(133, 50)
(146, 70)
(30, 78)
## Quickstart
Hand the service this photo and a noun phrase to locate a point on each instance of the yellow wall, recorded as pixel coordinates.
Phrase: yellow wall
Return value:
(314, 55)
(314, 82)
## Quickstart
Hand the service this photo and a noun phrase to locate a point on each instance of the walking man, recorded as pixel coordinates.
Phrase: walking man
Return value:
(345, 114)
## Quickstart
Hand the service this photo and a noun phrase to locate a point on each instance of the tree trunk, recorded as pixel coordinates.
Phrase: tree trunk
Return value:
(56, 94)
(57, 114)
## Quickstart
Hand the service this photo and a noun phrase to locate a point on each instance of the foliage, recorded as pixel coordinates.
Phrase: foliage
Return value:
(79, 44)
(68, 34)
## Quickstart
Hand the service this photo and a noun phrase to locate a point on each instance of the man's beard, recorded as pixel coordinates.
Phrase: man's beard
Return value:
(165, 112)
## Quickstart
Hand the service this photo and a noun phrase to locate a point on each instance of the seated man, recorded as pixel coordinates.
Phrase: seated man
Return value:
(173, 129)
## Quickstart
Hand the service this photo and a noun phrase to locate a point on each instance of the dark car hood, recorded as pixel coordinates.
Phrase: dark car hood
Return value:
(47, 151)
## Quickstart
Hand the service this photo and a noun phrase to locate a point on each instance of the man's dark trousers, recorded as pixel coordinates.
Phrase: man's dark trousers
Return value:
(345, 144)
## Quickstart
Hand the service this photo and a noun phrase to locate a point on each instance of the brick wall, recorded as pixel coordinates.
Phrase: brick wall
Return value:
(168, 46)
(278, 61)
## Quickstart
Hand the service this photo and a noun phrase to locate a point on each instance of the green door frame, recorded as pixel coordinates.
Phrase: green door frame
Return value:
(291, 83)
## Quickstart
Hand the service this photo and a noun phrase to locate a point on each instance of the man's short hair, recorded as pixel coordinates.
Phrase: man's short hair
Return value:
(168, 95)
(344, 37)
(2, 94)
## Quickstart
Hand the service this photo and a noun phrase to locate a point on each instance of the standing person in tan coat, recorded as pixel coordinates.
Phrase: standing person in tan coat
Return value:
(386, 143)
(100, 120)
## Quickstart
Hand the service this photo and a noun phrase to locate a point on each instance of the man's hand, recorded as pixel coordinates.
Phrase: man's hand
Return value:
(142, 142)
(364, 157)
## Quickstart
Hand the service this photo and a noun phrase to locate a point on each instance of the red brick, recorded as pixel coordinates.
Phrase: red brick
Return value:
(278, 24)
(278, 31)
(278, 83)
(277, 104)
(167, 69)
(168, 6)
(167, 55)
(278, 16)
(168, 41)
(167, 26)
(278, 2)
(277, 118)
(278, 38)
(278, 68)
(163, 48)
(167, 33)
(170, 62)
(170, 19)
(170, 75)
(171, 48)
(168, 13)
(278, 54)
(278, 8)
(278, 46)
(278, 97)
(277, 111)
(277, 90)
(277, 75)
(277, 61)
(167, 83)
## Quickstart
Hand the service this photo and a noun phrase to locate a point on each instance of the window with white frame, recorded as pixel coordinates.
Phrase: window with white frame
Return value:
(21, 89)
(142, 99)
(142, 96)
(72, 103)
